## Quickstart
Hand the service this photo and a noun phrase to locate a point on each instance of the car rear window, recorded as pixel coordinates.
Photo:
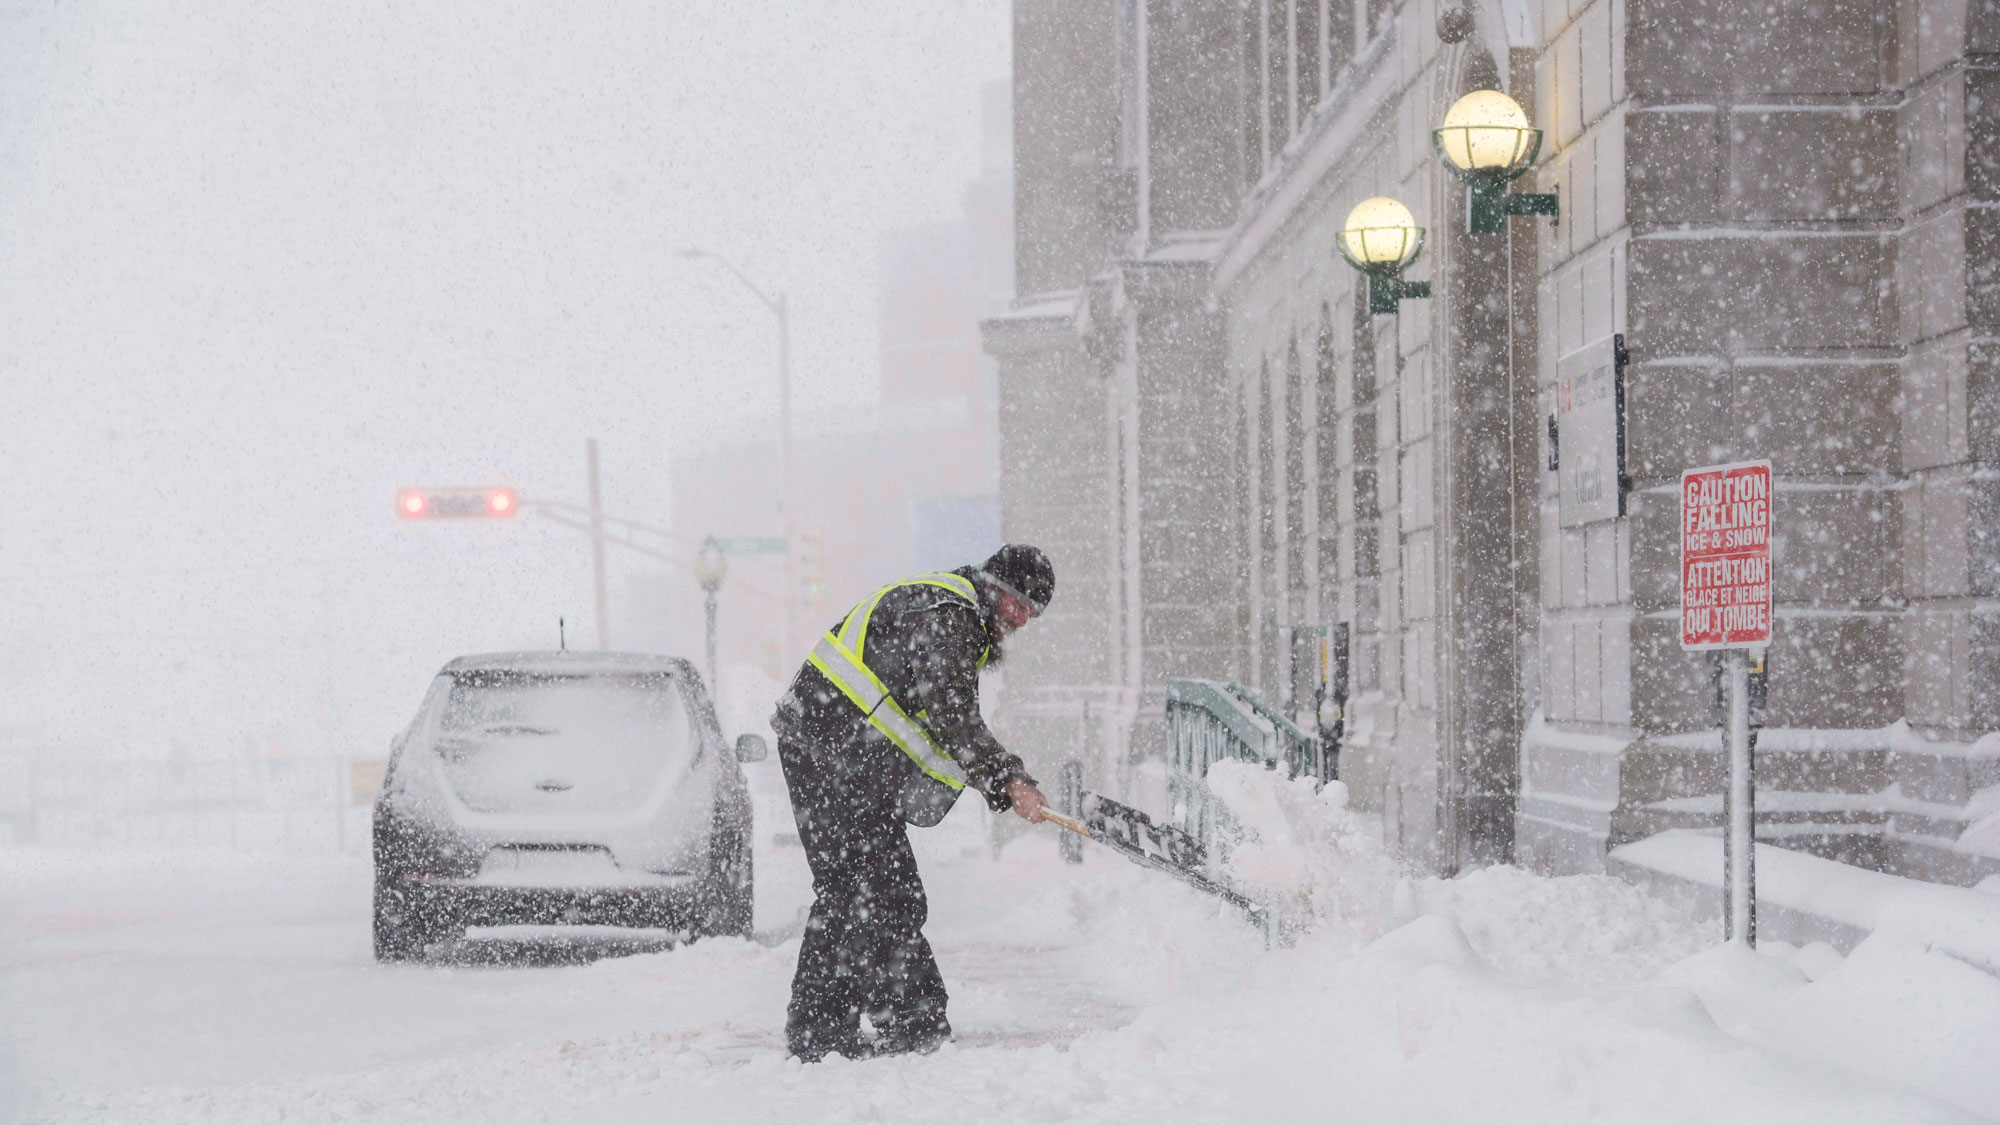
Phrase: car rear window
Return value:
(535, 742)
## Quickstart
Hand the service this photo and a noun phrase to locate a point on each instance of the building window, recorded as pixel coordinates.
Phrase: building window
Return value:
(1309, 48)
(1380, 14)
(1240, 535)
(1340, 19)
(1253, 92)
(1298, 543)
(1326, 439)
(1277, 78)
(1295, 480)
(1268, 500)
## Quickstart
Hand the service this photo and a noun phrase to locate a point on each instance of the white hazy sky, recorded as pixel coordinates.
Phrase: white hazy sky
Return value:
(262, 264)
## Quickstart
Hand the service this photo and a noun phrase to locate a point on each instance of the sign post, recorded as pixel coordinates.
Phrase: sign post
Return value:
(1726, 604)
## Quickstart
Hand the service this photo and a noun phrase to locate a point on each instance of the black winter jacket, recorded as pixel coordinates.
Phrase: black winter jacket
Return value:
(925, 644)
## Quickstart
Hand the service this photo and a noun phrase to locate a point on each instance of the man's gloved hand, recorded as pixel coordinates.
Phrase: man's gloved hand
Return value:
(1028, 800)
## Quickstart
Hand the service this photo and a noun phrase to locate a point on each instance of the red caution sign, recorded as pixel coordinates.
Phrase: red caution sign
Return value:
(1726, 556)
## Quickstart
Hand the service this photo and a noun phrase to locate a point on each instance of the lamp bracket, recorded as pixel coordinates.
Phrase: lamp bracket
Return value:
(1488, 204)
(1385, 290)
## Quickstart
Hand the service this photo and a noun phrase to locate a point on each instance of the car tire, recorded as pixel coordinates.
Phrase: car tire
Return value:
(398, 934)
(408, 921)
(729, 896)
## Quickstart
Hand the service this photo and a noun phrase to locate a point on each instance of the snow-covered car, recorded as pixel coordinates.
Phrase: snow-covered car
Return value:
(550, 788)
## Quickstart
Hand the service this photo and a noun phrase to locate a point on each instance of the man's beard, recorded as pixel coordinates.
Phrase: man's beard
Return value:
(996, 651)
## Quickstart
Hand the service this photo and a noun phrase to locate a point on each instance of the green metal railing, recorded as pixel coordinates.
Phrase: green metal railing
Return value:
(1208, 721)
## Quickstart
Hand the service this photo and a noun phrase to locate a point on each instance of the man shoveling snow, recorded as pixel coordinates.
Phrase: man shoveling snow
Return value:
(881, 729)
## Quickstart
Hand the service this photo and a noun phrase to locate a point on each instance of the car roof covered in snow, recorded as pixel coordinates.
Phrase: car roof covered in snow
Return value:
(572, 663)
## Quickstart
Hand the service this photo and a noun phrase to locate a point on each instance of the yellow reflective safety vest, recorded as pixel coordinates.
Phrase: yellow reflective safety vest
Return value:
(841, 656)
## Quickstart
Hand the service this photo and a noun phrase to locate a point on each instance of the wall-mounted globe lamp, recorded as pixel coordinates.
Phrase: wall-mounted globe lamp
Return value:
(1380, 238)
(1486, 142)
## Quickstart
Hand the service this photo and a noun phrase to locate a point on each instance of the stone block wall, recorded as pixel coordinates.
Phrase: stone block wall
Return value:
(1186, 541)
(1066, 78)
(1948, 508)
(1801, 285)
(1055, 472)
(1593, 636)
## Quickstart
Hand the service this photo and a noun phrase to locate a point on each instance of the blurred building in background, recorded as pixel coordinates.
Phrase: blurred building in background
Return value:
(906, 482)
(1777, 232)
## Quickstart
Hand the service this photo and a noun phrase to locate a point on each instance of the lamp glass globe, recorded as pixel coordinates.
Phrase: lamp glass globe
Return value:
(1484, 131)
(1380, 232)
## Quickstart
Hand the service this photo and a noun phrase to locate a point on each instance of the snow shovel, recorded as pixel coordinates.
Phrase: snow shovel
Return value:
(1133, 834)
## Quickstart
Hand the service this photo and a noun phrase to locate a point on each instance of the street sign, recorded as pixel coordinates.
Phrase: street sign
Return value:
(752, 545)
(1726, 556)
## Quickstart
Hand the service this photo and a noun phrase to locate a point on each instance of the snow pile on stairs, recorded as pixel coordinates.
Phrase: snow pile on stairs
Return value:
(1299, 851)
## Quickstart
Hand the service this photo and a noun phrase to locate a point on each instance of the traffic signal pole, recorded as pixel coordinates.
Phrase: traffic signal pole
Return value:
(787, 510)
(597, 552)
(461, 502)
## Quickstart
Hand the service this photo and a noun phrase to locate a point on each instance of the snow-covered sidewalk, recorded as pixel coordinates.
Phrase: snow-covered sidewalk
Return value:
(216, 989)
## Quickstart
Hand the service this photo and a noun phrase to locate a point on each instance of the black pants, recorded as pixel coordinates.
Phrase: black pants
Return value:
(864, 948)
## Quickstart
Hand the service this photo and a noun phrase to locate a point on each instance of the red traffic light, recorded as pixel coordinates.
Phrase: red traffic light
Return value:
(456, 503)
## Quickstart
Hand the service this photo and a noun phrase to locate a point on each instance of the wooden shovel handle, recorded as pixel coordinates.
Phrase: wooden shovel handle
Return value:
(1069, 822)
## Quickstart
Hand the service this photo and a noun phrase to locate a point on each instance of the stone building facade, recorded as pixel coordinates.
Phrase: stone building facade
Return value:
(1779, 236)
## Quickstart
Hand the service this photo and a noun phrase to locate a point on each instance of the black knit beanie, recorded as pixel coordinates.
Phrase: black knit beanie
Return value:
(1024, 572)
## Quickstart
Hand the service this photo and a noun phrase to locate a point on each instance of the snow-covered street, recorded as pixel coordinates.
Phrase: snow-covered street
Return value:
(217, 988)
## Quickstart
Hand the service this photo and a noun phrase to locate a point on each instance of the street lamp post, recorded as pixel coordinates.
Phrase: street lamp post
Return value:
(711, 566)
(787, 510)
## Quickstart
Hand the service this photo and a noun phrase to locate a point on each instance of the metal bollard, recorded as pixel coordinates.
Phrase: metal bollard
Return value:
(1069, 802)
